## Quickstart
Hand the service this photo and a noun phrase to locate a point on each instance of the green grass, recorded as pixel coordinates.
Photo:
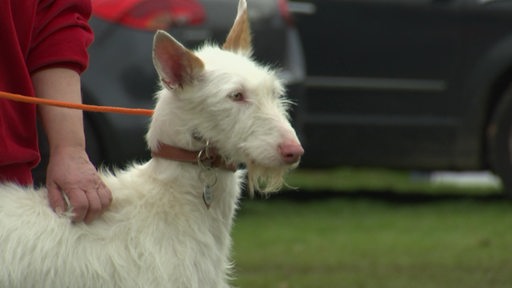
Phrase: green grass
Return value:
(346, 241)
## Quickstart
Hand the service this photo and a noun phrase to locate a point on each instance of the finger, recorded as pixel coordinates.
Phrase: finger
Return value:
(79, 203)
(105, 195)
(94, 206)
(55, 198)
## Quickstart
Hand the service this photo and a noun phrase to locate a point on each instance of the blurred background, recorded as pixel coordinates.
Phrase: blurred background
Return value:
(404, 108)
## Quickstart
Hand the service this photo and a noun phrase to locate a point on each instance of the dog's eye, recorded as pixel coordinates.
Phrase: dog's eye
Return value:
(237, 96)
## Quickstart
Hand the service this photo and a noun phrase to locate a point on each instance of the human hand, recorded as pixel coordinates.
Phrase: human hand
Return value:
(71, 173)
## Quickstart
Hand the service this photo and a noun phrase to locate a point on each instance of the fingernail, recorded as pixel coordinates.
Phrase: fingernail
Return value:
(59, 210)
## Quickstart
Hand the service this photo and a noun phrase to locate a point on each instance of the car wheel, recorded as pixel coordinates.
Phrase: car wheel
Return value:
(39, 172)
(93, 151)
(500, 140)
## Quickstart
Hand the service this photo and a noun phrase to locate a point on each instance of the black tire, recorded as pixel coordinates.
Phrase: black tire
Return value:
(39, 172)
(500, 140)
(93, 151)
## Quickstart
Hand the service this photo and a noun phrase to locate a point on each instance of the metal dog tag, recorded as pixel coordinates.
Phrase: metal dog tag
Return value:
(208, 196)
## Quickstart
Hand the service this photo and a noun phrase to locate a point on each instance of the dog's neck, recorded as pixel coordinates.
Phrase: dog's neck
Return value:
(207, 157)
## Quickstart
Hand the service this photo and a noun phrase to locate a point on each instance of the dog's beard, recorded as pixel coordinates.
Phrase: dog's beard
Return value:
(265, 179)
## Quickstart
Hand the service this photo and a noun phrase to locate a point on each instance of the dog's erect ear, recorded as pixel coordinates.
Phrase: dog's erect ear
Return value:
(239, 38)
(175, 64)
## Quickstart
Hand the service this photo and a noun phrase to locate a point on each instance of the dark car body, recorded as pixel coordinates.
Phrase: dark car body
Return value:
(121, 71)
(416, 84)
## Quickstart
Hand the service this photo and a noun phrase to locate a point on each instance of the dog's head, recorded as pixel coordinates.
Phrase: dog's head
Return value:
(220, 94)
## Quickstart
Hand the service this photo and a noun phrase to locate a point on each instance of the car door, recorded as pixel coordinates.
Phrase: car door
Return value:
(378, 85)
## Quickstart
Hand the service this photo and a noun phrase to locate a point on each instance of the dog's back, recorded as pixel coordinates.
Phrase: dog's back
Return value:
(155, 234)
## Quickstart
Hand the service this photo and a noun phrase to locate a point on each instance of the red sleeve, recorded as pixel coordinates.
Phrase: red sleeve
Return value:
(61, 35)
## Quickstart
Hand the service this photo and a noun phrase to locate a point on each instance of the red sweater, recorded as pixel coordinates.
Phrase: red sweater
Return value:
(34, 34)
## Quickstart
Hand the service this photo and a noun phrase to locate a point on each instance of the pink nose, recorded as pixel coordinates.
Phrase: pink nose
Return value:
(291, 151)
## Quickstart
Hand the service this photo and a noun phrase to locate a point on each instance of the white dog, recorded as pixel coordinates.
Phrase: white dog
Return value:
(170, 220)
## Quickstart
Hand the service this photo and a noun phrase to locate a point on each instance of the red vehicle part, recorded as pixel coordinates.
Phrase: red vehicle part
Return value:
(150, 14)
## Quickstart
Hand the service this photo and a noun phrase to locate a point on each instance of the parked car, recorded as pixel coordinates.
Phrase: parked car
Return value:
(408, 84)
(121, 70)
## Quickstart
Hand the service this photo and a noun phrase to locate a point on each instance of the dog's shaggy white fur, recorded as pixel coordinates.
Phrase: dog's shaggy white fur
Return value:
(158, 231)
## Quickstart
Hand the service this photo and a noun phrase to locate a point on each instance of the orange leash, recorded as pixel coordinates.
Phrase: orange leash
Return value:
(85, 107)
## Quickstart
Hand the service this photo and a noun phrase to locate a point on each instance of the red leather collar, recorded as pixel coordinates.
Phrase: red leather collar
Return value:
(208, 158)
